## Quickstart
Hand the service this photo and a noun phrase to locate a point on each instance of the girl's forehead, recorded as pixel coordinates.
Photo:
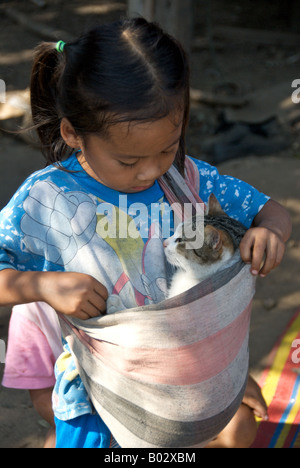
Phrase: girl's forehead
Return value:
(142, 135)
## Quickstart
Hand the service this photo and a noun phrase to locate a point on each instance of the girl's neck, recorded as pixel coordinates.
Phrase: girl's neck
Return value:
(86, 167)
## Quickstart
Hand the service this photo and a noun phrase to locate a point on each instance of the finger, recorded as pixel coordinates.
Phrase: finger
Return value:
(89, 311)
(260, 409)
(267, 268)
(101, 290)
(270, 260)
(261, 415)
(258, 253)
(274, 256)
(280, 253)
(258, 406)
(82, 315)
(95, 306)
(98, 300)
(246, 246)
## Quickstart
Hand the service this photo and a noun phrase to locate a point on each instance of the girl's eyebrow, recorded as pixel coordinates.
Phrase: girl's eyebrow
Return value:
(172, 144)
(131, 156)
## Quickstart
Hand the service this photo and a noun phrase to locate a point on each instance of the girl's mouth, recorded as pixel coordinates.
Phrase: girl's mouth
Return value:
(141, 188)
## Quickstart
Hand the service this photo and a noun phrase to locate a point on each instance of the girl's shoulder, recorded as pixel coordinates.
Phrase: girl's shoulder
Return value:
(61, 175)
(204, 168)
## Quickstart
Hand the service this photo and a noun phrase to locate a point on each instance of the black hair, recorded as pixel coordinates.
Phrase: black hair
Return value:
(127, 71)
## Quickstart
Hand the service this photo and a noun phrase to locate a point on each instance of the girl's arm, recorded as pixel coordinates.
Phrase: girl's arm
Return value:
(42, 403)
(74, 294)
(263, 245)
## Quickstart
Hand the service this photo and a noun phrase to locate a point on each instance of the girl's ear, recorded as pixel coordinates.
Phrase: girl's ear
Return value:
(69, 135)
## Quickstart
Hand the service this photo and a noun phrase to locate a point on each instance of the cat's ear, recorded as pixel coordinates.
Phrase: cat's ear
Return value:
(214, 207)
(213, 238)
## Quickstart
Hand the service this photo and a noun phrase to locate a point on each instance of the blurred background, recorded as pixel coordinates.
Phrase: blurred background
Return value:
(245, 59)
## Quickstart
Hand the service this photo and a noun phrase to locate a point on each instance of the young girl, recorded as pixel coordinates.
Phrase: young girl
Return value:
(119, 95)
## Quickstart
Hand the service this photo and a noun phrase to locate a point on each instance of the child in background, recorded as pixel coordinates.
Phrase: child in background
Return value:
(119, 96)
(34, 344)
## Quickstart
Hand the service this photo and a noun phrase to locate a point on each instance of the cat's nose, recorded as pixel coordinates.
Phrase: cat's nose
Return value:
(165, 243)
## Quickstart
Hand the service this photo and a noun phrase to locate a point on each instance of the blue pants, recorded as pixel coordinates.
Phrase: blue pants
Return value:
(87, 431)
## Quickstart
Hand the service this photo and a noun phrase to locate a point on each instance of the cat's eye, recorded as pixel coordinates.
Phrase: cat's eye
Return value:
(179, 239)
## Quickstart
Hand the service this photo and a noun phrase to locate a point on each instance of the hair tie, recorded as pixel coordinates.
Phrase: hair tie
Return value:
(60, 46)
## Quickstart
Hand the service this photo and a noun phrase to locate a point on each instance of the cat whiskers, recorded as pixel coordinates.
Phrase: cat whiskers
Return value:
(175, 260)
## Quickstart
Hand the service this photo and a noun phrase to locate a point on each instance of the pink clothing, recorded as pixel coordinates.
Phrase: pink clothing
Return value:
(34, 344)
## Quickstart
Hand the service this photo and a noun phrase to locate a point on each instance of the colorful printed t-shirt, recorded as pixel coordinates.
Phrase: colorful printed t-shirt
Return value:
(63, 221)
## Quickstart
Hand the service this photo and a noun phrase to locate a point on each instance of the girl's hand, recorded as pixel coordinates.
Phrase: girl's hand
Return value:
(263, 249)
(264, 244)
(254, 400)
(75, 294)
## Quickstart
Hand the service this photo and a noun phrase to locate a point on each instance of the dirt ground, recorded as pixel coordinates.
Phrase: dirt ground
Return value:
(239, 69)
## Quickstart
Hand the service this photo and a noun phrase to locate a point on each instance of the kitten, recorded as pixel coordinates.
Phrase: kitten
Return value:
(222, 236)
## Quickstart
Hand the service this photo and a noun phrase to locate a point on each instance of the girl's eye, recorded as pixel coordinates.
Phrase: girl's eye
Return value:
(127, 165)
(170, 152)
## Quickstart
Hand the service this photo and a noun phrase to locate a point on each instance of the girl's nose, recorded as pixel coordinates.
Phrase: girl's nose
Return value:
(149, 172)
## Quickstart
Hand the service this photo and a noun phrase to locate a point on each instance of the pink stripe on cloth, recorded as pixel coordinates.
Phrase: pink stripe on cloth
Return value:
(192, 177)
(186, 365)
(189, 186)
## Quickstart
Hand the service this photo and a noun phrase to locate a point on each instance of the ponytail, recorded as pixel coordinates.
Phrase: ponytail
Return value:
(46, 74)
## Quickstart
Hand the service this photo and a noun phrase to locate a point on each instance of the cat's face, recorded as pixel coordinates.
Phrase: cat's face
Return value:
(216, 247)
(217, 244)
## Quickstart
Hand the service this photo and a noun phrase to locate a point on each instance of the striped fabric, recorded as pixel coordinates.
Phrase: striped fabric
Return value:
(281, 389)
(183, 193)
(171, 374)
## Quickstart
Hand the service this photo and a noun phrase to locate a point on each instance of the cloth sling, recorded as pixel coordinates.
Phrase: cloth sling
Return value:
(171, 374)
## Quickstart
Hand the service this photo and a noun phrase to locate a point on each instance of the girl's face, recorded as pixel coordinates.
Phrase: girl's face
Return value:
(134, 155)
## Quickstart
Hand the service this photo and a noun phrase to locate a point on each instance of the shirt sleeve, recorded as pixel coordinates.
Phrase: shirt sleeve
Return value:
(238, 199)
(13, 253)
(8, 241)
(29, 361)
(26, 242)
